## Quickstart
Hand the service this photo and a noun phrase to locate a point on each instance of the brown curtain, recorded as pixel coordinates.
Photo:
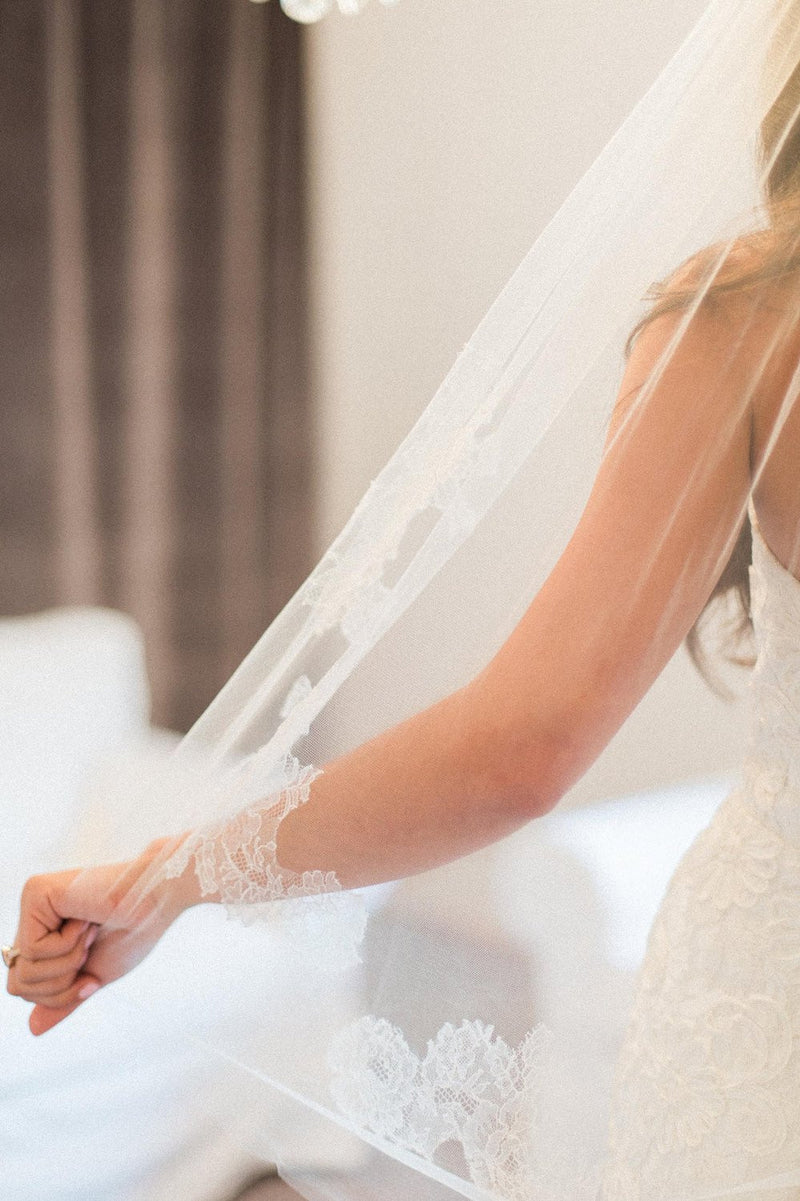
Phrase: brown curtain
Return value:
(154, 428)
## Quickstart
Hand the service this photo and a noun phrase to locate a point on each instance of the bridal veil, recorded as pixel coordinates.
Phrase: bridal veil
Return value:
(672, 266)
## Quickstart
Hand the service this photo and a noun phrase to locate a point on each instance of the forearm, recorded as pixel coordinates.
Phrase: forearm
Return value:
(424, 792)
(437, 786)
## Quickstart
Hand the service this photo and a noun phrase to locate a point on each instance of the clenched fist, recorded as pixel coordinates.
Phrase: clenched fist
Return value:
(81, 929)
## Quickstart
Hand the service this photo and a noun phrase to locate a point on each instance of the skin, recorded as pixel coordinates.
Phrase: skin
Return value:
(504, 749)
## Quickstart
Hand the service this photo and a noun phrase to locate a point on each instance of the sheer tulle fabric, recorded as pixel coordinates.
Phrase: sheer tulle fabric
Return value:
(428, 1081)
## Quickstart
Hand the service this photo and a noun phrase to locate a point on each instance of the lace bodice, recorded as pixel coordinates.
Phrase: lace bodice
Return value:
(772, 762)
(708, 1080)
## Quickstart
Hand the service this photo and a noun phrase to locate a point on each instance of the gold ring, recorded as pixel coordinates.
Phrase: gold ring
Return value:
(9, 955)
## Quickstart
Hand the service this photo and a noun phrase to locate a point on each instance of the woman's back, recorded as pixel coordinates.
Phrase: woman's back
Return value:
(761, 324)
(776, 436)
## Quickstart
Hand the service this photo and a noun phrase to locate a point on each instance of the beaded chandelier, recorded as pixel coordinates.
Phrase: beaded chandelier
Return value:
(311, 10)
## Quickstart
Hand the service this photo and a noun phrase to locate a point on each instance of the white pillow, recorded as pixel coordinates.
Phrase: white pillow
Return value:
(73, 689)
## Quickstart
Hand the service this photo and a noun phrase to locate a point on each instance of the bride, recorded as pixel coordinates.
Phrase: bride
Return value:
(449, 699)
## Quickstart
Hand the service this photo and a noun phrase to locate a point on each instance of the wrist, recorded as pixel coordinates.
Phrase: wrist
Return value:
(172, 894)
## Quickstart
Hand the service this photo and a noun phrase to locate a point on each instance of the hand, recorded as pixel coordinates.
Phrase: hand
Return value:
(79, 930)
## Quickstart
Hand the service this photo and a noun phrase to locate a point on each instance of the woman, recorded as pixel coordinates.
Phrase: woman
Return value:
(705, 424)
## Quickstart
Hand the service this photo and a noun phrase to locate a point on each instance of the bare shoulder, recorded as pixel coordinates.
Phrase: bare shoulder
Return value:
(725, 318)
(689, 354)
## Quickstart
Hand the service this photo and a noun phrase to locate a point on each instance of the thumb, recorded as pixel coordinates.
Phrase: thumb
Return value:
(92, 893)
(43, 1018)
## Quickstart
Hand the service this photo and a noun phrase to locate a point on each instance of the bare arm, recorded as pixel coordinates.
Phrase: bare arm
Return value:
(655, 534)
(661, 518)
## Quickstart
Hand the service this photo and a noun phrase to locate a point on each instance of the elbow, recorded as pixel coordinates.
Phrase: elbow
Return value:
(530, 774)
(520, 763)
(522, 769)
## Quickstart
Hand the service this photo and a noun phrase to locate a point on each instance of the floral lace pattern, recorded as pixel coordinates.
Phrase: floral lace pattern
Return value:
(707, 1086)
(454, 467)
(235, 860)
(470, 1087)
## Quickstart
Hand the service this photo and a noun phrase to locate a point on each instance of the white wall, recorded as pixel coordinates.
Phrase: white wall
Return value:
(443, 134)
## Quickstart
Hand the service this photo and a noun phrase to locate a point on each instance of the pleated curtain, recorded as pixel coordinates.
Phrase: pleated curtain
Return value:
(154, 424)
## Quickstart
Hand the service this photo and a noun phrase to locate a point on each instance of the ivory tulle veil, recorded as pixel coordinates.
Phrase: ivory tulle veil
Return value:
(433, 1060)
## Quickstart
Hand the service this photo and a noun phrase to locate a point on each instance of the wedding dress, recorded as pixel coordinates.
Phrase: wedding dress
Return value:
(708, 1081)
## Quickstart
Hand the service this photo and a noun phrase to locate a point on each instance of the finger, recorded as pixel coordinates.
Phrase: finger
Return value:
(37, 971)
(38, 940)
(57, 943)
(45, 1017)
(36, 979)
(50, 903)
(46, 991)
(68, 995)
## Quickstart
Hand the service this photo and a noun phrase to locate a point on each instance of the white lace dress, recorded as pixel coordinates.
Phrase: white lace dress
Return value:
(708, 1084)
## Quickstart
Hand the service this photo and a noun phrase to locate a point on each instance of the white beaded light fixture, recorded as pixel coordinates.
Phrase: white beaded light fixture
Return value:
(311, 10)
